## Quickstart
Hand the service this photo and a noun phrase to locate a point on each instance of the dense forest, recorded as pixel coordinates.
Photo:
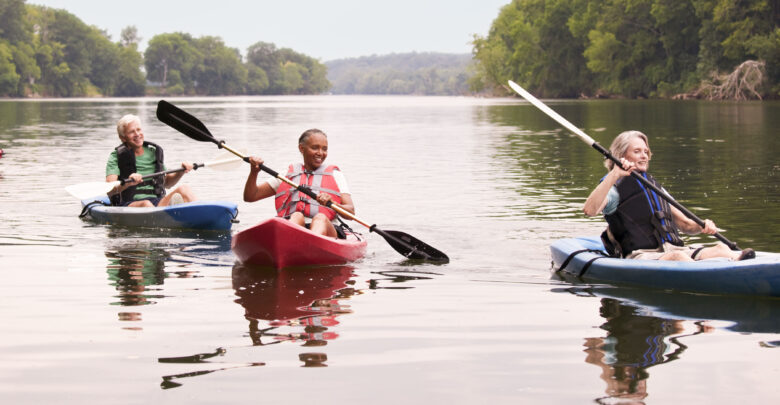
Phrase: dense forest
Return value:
(48, 52)
(633, 48)
(715, 49)
(406, 73)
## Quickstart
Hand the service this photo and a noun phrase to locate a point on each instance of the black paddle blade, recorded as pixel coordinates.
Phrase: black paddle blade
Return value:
(183, 122)
(411, 247)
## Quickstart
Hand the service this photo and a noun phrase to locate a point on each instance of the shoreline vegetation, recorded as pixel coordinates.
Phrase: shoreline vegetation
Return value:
(633, 49)
(708, 49)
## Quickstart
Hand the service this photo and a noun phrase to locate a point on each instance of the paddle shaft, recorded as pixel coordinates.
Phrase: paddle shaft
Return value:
(203, 134)
(195, 166)
(403, 243)
(595, 145)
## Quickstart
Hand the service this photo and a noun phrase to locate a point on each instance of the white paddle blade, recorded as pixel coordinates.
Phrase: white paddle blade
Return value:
(551, 113)
(225, 161)
(93, 189)
(225, 164)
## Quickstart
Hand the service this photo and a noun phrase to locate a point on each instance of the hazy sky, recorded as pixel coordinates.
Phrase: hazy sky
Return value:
(323, 29)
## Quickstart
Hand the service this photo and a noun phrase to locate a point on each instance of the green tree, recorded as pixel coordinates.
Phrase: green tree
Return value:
(257, 80)
(27, 68)
(130, 80)
(171, 55)
(221, 71)
(528, 42)
(733, 31)
(287, 71)
(8, 76)
(13, 27)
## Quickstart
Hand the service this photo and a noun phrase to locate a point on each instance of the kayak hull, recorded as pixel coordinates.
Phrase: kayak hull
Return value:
(279, 243)
(757, 277)
(202, 215)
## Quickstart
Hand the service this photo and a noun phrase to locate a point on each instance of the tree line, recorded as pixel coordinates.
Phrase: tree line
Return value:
(426, 73)
(50, 52)
(631, 48)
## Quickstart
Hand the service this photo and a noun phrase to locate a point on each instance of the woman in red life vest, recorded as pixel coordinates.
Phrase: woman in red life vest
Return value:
(326, 181)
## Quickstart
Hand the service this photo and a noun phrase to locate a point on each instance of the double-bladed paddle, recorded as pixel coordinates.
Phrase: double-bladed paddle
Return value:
(587, 139)
(97, 188)
(403, 243)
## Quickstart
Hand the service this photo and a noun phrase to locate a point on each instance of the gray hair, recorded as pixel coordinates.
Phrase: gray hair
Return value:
(621, 143)
(124, 122)
(309, 132)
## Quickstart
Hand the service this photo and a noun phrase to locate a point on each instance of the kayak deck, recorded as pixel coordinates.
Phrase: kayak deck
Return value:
(203, 215)
(279, 243)
(759, 276)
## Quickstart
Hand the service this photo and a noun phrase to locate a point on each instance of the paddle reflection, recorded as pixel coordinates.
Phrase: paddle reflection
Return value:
(308, 300)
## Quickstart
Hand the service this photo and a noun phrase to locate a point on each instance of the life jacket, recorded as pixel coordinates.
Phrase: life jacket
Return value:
(643, 220)
(126, 161)
(321, 180)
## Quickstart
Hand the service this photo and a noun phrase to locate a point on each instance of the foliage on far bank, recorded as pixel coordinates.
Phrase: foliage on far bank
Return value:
(405, 73)
(628, 48)
(48, 52)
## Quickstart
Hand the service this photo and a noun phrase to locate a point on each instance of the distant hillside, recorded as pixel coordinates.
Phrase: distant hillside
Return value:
(405, 73)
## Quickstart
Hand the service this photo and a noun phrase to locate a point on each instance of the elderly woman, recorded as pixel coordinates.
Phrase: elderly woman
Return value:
(135, 158)
(326, 181)
(641, 224)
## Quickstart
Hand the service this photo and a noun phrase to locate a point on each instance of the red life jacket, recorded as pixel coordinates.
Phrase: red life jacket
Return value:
(289, 200)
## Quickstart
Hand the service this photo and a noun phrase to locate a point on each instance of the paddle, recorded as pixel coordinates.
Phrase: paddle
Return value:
(97, 188)
(587, 139)
(403, 243)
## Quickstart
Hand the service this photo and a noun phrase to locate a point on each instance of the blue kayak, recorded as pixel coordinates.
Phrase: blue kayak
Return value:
(585, 258)
(205, 215)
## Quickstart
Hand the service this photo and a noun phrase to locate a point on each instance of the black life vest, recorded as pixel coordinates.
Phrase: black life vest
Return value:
(643, 220)
(126, 161)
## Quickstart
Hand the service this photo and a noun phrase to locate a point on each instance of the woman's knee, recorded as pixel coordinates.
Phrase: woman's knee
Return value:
(297, 218)
(678, 256)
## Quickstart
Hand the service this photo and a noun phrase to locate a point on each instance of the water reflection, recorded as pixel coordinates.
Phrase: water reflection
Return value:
(308, 300)
(136, 272)
(138, 269)
(170, 381)
(645, 328)
(634, 343)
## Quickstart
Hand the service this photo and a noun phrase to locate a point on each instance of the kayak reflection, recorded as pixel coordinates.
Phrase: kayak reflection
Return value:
(308, 300)
(633, 344)
(138, 269)
(646, 327)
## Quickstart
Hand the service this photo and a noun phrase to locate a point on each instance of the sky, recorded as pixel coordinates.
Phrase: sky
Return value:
(323, 29)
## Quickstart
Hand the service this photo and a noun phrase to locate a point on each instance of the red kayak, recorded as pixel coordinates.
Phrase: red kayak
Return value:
(278, 243)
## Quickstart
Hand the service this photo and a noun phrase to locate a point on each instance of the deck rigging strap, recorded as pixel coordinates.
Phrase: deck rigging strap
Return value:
(575, 253)
(88, 207)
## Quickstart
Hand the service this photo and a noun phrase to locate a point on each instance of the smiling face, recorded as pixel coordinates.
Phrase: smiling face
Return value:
(133, 135)
(314, 150)
(639, 153)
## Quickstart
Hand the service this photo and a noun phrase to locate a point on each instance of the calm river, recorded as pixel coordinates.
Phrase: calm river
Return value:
(95, 314)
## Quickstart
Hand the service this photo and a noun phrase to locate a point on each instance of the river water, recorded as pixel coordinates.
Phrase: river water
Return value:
(127, 316)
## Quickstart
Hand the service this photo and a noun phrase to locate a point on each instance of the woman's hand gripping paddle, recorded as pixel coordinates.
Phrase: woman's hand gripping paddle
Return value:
(98, 188)
(587, 139)
(403, 243)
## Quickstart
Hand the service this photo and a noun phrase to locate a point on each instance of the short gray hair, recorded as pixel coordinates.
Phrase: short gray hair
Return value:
(620, 146)
(124, 122)
(309, 132)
